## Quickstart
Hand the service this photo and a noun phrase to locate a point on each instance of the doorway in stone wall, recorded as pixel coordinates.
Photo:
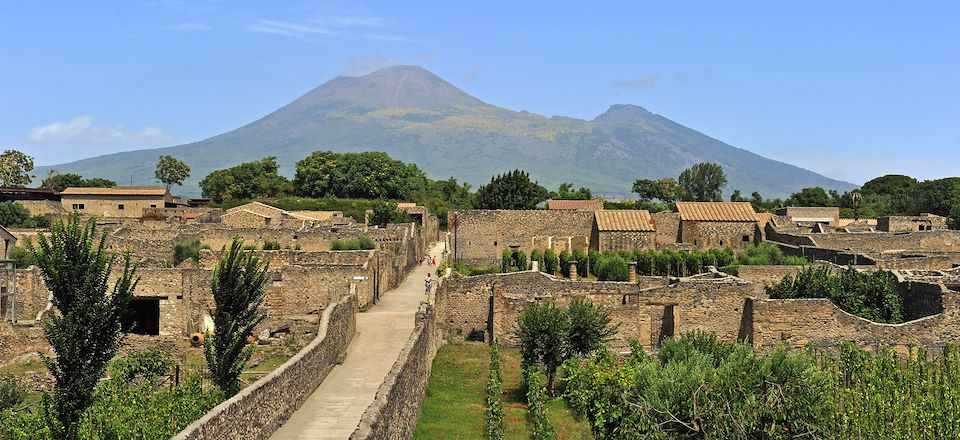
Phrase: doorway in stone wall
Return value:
(662, 325)
(144, 316)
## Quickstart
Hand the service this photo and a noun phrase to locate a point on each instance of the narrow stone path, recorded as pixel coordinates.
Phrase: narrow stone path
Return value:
(333, 411)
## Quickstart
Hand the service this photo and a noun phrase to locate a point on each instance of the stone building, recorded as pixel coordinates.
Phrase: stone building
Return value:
(121, 201)
(479, 237)
(623, 230)
(262, 215)
(903, 223)
(717, 224)
(574, 205)
(829, 215)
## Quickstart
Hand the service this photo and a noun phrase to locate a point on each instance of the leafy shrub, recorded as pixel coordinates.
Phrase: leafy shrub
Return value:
(544, 333)
(11, 394)
(465, 270)
(611, 268)
(550, 262)
(187, 249)
(270, 245)
(494, 427)
(767, 254)
(700, 388)
(22, 256)
(565, 258)
(870, 295)
(148, 364)
(354, 244)
(536, 255)
(506, 260)
(537, 405)
(521, 261)
(581, 258)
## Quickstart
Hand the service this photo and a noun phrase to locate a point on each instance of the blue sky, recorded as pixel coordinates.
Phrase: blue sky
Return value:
(849, 89)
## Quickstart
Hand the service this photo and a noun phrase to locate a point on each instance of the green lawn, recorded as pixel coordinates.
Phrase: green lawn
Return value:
(454, 403)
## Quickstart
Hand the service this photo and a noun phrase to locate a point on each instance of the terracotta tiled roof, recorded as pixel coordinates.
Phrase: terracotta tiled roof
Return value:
(312, 215)
(764, 217)
(625, 220)
(116, 191)
(717, 211)
(575, 205)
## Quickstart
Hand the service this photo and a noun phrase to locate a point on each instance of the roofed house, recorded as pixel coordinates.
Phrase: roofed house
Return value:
(812, 214)
(718, 224)
(616, 230)
(120, 201)
(575, 205)
(906, 223)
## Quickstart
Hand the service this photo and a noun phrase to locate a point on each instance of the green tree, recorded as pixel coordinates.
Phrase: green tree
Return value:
(589, 327)
(511, 190)
(60, 181)
(890, 184)
(367, 175)
(544, 333)
(737, 196)
(239, 289)
(87, 331)
(15, 168)
(815, 196)
(703, 182)
(566, 192)
(171, 171)
(245, 181)
(385, 212)
(663, 189)
(550, 261)
(13, 214)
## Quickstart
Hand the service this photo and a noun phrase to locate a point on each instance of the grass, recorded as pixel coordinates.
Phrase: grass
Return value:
(454, 404)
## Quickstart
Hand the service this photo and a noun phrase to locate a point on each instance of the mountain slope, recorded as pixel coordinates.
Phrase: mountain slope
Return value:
(416, 116)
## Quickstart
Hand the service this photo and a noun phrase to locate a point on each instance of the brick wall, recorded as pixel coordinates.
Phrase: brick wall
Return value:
(264, 406)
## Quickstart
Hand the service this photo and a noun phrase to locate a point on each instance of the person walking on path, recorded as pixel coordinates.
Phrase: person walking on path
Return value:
(428, 282)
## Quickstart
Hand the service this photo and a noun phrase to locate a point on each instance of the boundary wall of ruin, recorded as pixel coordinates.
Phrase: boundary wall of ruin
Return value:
(258, 410)
(396, 408)
(480, 236)
(799, 322)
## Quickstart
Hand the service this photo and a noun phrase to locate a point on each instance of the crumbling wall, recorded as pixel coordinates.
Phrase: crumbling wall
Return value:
(479, 236)
(706, 235)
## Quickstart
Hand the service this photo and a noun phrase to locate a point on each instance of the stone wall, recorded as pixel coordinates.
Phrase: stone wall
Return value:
(396, 408)
(762, 276)
(799, 322)
(608, 241)
(30, 298)
(706, 235)
(479, 236)
(830, 215)
(264, 406)
(668, 227)
(111, 205)
(490, 304)
(898, 223)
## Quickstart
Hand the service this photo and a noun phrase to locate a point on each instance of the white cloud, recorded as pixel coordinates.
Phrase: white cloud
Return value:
(188, 27)
(289, 29)
(643, 82)
(82, 130)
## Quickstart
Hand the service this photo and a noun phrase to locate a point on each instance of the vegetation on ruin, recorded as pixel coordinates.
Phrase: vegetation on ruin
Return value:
(15, 215)
(697, 387)
(11, 395)
(137, 400)
(87, 331)
(239, 290)
(22, 256)
(187, 249)
(61, 181)
(454, 405)
(869, 295)
(465, 269)
(385, 212)
(353, 244)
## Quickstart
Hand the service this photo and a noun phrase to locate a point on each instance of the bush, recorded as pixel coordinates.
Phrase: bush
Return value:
(506, 260)
(187, 249)
(537, 405)
(148, 365)
(537, 256)
(565, 258)
(13, 214)
(767, 254)
(354, 244)
(611, 268)
(464, 269)
(550, 262)
(495, 428)
(869, 295)
(11, 394)
(581, 258)
(22, 256)
(521, 261)
(270, 245)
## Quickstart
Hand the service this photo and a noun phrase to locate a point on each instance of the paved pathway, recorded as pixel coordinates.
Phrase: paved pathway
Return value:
(333, 411)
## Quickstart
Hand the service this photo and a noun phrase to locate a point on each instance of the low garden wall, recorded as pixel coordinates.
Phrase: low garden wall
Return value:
(261, 408)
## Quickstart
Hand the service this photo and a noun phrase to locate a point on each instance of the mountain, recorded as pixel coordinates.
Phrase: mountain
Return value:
(418, 117)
